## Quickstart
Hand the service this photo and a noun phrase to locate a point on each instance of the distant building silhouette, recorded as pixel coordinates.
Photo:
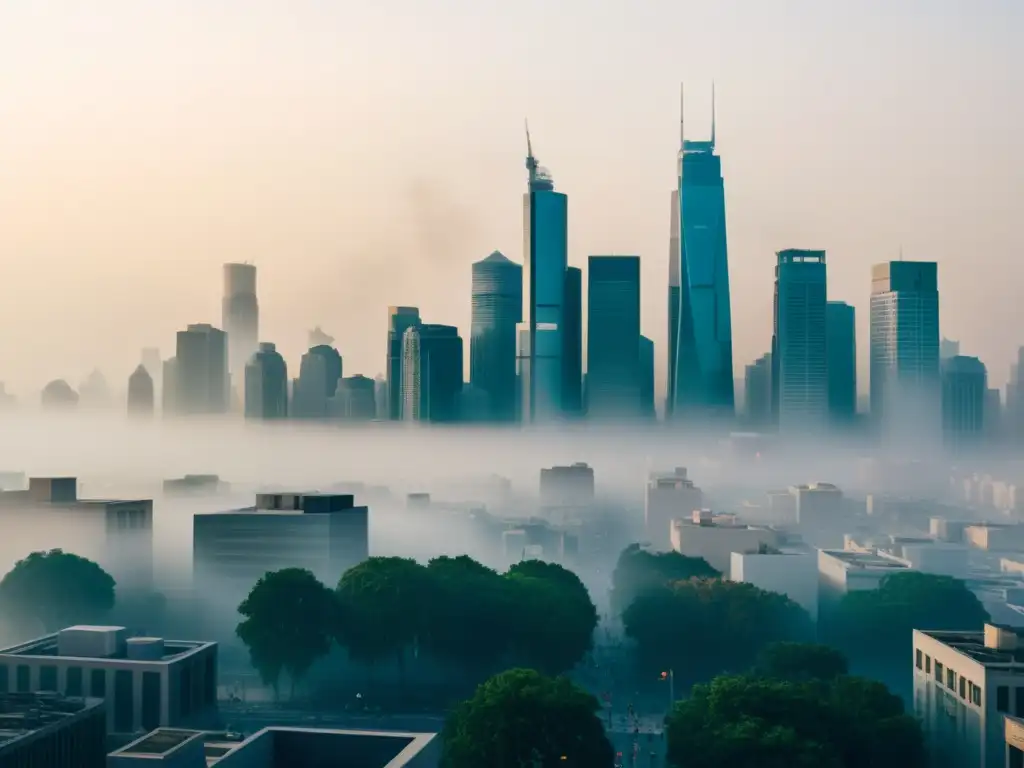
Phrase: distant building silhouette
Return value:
(799, 344)
(400, 319)
(7, 400)
(497, 303)
(318, 338)
(841, 342)
(572, 343)
(613, 337)
(266, 384)
(432, 373)
(240, 318)
(140, 393)
(355, 399)
(964, 389)
(319, 374)
(94, 392)
(948, 348)
(758, 387)
(59, 396)
(382, 397)
(647, 409)
(905, 388)
(200, 371)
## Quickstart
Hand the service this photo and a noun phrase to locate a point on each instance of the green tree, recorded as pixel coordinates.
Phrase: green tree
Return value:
(638, 571)
(756, 722)
(881, 621)
(288, 623)
(57, 589)
(553, 616)
(712, 623)
(383, 608)
(801, 661)
(522, 719)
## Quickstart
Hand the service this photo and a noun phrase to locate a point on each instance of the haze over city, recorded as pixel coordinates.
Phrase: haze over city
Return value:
(363, 156)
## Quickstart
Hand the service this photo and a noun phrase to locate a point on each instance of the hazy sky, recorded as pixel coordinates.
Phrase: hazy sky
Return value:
(364, 154)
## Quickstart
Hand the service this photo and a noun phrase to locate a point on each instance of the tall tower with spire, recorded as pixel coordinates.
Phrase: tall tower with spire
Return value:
(700, 377)
(545, 248)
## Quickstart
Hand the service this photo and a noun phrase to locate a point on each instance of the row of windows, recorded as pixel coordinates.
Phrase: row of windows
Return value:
(957, 683)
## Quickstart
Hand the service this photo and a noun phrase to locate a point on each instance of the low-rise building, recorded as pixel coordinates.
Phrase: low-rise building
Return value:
(147, 682)
(1014, 735)
(280, 747)
(716, 537)
(964, 684)
(571, 486)
(51, 731)
(790, 573)
(993, 537)
(841, 571)
(669, 496)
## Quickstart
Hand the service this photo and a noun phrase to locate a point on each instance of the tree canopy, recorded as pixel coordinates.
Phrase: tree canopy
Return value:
(639, 570)
(801, 661)
(522, 718)
(712, 623)
(756, 722)
(58, 589)
(288, 622)
(883, 619)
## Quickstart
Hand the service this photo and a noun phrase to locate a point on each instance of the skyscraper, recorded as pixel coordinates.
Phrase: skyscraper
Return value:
(841, 331)
(613, 337)
(431, 373)
(647, 409)
(757, 384)
(905, 348)
(497, 309)
(545, 231)
(200, 371)
(700, 323)
(964, 390)
(140, 393)
(400, 319)
(319, 374)
(572, 343)
(799, 345)
(266, 384)
(240, 318)
(355, 399)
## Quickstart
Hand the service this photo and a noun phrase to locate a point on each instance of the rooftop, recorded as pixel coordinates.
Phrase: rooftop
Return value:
(111, 643)
(864, 560)
(997, 644)
(160, 742)
(24, 713)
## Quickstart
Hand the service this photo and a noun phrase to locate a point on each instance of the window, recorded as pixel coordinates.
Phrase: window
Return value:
(4, 678)
(124, 704)
(24, 679)
(938, 671)
(99, 683)
(48, 678)
(963, 687)
(977, 695)
(150, 700)
(951, 679)
(1002, 699)
(919, 659)
(73, 683)
(927, 664)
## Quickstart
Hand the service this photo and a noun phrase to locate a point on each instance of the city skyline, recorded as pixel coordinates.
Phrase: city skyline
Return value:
(856, 162)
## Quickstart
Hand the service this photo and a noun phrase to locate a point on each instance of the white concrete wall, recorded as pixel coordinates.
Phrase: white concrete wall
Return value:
(792, 575)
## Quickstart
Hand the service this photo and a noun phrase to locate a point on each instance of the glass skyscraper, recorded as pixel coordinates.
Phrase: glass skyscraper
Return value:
(841, 328)
(545, 245)
(497, 310)
(431, 373)
(572, 343)
(700, 377)
(613, 337)
(400, 319)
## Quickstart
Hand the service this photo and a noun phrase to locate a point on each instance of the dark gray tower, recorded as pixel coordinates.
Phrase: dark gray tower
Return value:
(497, 310)
(140, 393)
(240, 318)
(266, 384)
(613, 337)
(572, 343)
(400, 319)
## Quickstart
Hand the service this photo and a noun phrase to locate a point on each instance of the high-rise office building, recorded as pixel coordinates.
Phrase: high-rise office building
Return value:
(964, 390)
(572, 343)
(497, 309)
(355, 399)
(841, 332)
(904, 348)
(1015, 400)
(400, 319)
(431, 373)
(140, 393)
(799, 344)
(757, 384)
(266, 384)
(240, 318)
(700, 379)
(200, 371)
(545, 231)
(647, 409)
(319, 374)
(613, 337)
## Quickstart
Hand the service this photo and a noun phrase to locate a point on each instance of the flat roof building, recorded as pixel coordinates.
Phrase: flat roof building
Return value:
(669, 496)
(841, 571)
(790, 573)
(147, 682)
(51, 731)
(716, 537)
(280, 747)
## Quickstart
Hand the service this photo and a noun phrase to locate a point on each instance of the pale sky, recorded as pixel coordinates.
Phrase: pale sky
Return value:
(363, 154)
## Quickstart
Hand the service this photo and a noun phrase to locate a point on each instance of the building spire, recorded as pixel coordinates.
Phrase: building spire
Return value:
(713, 114)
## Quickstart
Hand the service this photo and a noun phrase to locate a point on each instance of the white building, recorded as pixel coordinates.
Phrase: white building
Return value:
(147, 682)
(670, 496)
(716, 537)
(793, 574)
(964, 684)
(995, 538)
(817, 503)
(841, 571)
